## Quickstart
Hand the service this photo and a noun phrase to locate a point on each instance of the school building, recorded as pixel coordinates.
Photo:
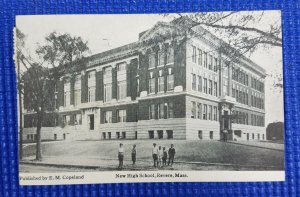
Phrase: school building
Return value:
(170, 84)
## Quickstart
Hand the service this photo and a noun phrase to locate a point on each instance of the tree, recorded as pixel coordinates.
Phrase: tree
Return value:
(275, 131)
(39, 79)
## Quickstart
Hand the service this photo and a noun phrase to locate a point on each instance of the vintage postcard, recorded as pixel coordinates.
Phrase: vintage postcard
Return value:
(183, 97)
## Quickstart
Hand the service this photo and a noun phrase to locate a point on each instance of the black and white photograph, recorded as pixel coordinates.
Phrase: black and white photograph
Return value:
(150, 97)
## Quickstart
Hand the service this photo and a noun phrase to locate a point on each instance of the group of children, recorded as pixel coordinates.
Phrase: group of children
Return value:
(159, 154)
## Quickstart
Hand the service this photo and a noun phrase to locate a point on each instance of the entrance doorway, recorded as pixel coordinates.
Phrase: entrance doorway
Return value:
(91, 122)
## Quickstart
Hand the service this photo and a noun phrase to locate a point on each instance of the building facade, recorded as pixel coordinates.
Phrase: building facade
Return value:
(170, 84)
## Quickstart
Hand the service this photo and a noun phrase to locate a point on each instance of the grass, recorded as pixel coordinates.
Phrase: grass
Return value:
(186, 151)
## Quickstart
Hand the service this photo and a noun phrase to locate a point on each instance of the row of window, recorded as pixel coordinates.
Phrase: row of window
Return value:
(121, 116)
(164, 110)
(160, 134)
(204, 59)
(204, 111)
(201, 84)
(240, 76)
(257, 120)
(160, 58)
(74, 119)
(240, 96)
(253, 136)
(257, 85)
(118, 135)
(200, 135)
(243, 118)
(257, 102)
(161, 83)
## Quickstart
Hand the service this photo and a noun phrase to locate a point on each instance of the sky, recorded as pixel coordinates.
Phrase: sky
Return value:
(104, 32)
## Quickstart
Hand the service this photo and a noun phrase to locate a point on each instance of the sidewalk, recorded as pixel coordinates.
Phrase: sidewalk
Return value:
(109, 164)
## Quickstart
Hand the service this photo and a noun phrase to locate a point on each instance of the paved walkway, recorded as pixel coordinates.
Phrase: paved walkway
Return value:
(266, 145)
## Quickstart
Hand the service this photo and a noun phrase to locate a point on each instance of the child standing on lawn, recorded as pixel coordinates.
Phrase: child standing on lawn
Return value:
(165, 156)
(160, 155)
(133, 154)
(171, 154)
(121, 152)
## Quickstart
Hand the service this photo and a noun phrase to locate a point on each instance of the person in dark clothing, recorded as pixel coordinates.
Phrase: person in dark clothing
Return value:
(171, 154)
(133, 154)
(165, 156)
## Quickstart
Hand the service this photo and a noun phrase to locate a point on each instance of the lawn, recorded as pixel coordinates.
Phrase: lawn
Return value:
(186, 151)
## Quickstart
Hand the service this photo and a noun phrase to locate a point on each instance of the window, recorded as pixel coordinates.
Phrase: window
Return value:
(67, 94)
(170, 55)
(109, 135)
(194, 55)
(160, 134)
(199, 111)
(200, 134)
(77, 90)
(77, 97)
(225, 87)
(152, 60)
(107, 71)
(151, 85)
(170, 84)
(121, 90)
(66, 99)
(108, 117)
(258, 136)
(78, 119)
(104, 135)
(152, 111)
(204, 112)
(107, 92)
(210, 62)
(210, 113)
(161, 84)
(205, 60)
(199, 83)
(151, 134)
(253, 136)
(118, 135)
(193, 81)
(193, 111)
(205, 85)
(161, 111)
(170, 110)
(216, 65)
(215, 113)
(121, 115)
(210, 87)
(211, 135)
(199, 57)
(123, 135)
(170, 134)
(91, 94)
(161, 58)
(215, 89)
(121, 67)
